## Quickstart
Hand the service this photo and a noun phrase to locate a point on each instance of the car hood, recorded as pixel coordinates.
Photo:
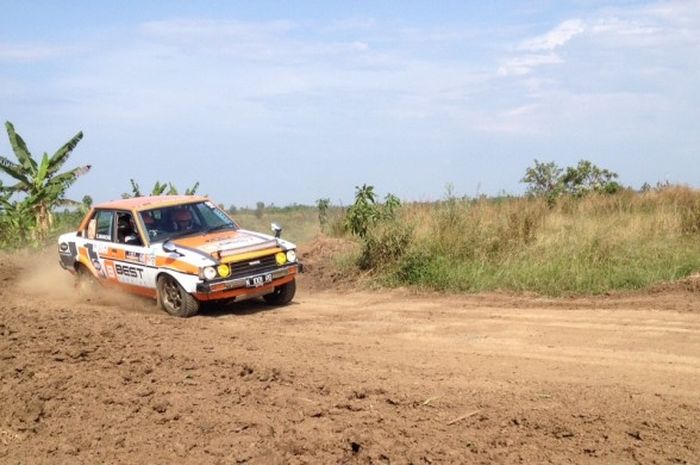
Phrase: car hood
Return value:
(226, 243)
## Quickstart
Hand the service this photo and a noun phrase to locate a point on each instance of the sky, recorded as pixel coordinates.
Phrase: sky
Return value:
(290, 101)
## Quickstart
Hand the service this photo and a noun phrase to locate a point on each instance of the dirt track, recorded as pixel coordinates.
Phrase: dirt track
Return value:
(348, 378)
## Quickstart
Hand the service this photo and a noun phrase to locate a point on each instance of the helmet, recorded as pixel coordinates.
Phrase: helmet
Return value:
(148, 220)
(183, 218)
(124, 224)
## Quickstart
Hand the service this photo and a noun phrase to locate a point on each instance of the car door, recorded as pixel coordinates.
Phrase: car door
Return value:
(98, 237)
(125, 258)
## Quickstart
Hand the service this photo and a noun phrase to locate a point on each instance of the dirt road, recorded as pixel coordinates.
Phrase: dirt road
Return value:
(384, 377)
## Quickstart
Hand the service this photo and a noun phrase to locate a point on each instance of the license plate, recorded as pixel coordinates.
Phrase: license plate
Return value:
(257, 281)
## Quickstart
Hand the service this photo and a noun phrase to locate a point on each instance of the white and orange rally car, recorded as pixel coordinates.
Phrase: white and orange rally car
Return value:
(180, 250)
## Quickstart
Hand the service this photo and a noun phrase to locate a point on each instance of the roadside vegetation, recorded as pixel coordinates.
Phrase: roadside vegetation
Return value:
(575, 231)
(37, 189)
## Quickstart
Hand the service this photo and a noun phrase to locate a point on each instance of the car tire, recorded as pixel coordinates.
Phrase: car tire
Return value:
(282, 295)
(85, 283)
(174, 299)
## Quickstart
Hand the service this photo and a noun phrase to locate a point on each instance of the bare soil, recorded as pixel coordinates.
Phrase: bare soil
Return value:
(346, 377)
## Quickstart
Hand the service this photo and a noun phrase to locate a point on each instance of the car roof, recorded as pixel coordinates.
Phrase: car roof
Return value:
(147, 203)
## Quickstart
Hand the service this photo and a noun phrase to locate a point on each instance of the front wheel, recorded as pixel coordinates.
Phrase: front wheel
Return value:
(174, 299)
(282, 295)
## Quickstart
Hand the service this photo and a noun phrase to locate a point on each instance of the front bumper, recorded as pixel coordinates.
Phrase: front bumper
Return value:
(224, 286)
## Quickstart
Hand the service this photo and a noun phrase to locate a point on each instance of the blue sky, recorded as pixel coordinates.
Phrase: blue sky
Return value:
(286, 102)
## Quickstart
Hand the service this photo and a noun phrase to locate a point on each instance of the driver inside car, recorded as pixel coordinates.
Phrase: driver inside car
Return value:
(182, 219)
(126, 230)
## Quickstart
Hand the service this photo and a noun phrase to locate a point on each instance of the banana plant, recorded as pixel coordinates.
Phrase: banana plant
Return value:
(159, 188)
(40, 181)
(16, 222)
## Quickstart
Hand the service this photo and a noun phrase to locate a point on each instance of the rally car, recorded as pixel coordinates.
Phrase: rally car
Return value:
(181, 251)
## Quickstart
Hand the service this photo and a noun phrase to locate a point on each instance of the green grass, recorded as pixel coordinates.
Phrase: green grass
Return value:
(299, 224)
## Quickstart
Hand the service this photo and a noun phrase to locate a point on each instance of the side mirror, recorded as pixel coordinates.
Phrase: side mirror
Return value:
(169, 247)
(277, 229)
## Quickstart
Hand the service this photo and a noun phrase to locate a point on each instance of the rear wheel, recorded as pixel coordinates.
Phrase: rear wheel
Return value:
(174, 299)
(86, 283)
(282, 295)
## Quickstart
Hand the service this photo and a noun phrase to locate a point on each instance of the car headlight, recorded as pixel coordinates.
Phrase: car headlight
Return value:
(291, 256)
(209, 272)
(280, 258)
(224, 271)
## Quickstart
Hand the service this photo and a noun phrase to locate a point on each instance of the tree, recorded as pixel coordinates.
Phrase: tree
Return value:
(587, 177)
(40, 181)
(259, 209)
(544, 179)
(323, 205)
(391, 204)
(192, 190)
(17, 221)
(158, 189)
(549, 181)
(364, 212)
(86, 203)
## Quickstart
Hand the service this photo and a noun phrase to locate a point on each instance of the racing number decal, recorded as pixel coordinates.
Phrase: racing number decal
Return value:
(95, 260)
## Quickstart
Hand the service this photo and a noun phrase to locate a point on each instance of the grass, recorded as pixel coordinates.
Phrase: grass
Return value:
(298, 225)
(581, 246)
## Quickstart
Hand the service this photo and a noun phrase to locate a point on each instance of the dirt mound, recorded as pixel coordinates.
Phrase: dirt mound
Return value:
(691, 284)
(323, 263)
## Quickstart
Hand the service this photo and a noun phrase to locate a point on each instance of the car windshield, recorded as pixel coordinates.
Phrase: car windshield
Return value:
(176, 221)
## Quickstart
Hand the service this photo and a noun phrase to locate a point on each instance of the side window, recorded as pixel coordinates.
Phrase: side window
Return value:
(127, 233)
(104, 226)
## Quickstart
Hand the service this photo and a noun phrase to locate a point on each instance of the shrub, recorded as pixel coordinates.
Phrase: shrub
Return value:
(323, 205)
(366, 211)
(384, 245)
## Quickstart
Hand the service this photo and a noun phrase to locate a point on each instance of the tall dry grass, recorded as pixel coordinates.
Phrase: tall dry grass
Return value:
(590, 245)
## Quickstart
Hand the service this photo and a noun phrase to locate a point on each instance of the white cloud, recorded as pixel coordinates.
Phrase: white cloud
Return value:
(617, 26)
(521, 65)
(555, 38)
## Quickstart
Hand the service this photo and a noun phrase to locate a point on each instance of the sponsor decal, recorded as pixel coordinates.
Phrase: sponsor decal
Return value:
(235, 242)
(135, 257)
(110, 270)
(129, 271)
(151, 259)
(95, 259)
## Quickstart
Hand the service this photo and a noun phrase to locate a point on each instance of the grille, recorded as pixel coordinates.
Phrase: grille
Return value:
(241, 269)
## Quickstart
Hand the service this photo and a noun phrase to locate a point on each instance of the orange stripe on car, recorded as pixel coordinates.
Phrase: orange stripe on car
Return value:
(177, 265)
